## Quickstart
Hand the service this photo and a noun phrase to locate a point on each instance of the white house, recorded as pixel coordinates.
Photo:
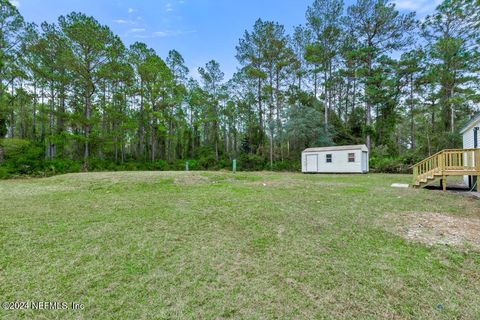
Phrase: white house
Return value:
(471, 137)
(336, 159)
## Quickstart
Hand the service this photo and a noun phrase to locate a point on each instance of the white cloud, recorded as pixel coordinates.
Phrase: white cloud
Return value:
(141, 33)
(131, 22)
(131, 10)
(420, 6)
(169, 7)
(161, 34)
(16, 3)
(172, 33)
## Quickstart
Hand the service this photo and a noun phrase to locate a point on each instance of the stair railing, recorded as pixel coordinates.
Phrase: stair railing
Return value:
(434, 162)
(448, 161)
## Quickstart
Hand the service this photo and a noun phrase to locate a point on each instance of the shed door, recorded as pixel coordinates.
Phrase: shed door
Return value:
(364, 161)
(312, 162)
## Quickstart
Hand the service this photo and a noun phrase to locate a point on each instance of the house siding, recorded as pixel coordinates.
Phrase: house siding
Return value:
(468, 141)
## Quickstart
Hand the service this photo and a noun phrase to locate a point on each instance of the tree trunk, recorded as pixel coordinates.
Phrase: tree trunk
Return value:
(153, 141)
(12, 113)
(368, 104)
(42, 123)
(87, 132)
(270, 120)
(260, 108)
(141, 127)
(260, 116)
(354, 93)
(412, 118)
(51, 146)
(326, 101)
(279, 122)
(452, 110)
(34, 112)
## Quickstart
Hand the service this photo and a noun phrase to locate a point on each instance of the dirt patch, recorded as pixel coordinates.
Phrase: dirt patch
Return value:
(435, 228)
(276, 182)
(298, 183)
(191, 179)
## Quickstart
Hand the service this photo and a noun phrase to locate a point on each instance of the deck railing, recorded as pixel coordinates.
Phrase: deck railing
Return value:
(448, 162)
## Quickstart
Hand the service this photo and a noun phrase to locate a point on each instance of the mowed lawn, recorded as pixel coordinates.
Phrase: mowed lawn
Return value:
(213, 245)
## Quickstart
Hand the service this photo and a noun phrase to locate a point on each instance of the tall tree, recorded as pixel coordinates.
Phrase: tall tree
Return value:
(412, 70)
(11, 28)
(324, 19)
(379, 29)
(90, 43)
(212, 78)
(249, 54)
(137, 57)
(158, 81)
(453, 51)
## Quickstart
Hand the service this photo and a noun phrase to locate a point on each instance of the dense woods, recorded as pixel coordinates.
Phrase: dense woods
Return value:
(74, 97)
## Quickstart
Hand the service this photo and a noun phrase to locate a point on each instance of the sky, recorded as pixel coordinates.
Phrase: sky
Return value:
(201, 30)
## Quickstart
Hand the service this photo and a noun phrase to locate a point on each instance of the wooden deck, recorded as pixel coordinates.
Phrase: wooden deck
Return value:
(450, 162)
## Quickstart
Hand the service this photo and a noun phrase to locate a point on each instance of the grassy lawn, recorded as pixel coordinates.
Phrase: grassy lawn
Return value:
(203, 245)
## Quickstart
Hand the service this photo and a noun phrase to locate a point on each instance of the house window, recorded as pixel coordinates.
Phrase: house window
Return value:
(351, 157)
(329, 158)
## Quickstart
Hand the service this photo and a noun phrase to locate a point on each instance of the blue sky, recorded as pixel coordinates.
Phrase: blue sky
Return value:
(200, 30)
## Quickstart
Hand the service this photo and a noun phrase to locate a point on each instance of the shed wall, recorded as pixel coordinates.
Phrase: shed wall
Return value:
(339, 162)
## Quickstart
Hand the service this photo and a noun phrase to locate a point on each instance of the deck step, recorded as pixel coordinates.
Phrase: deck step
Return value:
(421, 182)
(448, 162)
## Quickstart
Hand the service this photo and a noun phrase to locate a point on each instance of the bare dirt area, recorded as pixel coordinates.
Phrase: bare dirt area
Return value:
(433, 228)
(191, 179)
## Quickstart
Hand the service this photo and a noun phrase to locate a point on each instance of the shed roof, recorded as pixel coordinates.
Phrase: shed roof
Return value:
(338, 148)
(471, 123)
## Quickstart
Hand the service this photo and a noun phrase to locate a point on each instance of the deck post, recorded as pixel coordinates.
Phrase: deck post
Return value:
(442, 162)
(444, 183)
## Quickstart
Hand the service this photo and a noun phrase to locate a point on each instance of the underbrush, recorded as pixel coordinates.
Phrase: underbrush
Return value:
(27, 158)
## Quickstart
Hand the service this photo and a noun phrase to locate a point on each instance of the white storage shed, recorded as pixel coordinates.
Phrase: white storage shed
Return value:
(336, 159)
(471, 140)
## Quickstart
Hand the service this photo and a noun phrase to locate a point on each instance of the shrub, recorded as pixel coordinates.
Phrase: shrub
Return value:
(160, 165)
(225, 164)
(193, 165)
(287, 165)
(207, 162)
(133, 166)
(22, 156)
(206, 158)
(250, 162)
(4, 173)
(411, 157)
(57, 166)
(13, 148)
(97, 164)
(389, 165)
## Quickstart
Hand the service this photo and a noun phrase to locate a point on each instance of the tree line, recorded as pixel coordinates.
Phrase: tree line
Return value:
(74, 97)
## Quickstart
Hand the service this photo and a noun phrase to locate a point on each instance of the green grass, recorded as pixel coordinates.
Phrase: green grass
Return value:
(151, 245)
